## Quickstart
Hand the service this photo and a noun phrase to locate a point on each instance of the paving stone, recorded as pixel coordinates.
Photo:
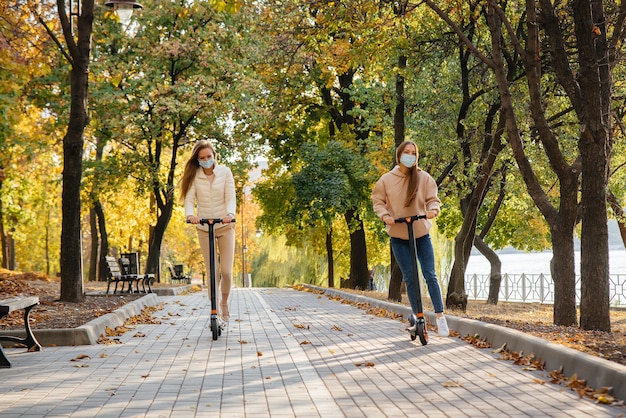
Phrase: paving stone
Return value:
(284, 353)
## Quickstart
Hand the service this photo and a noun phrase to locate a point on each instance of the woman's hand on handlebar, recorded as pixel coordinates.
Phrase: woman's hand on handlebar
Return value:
(227, 219)
(431, 214)
(193, 219)
(389, 220)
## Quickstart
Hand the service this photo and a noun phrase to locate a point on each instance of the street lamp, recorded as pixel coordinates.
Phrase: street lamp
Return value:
(244, 247)
(124, 9)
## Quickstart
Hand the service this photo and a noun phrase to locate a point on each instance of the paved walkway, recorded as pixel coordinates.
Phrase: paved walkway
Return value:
(285, 353)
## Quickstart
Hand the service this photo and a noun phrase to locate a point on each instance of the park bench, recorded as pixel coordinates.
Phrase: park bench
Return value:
(14, 304)
(130, 268)
(116, 275)
(178, 276)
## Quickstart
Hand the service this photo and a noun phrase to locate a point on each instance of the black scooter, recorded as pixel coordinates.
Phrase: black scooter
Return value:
(216, 330)
(418, 323)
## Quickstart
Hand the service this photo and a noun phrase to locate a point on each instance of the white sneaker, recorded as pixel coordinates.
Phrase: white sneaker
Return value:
(442, 327)
(411, 328)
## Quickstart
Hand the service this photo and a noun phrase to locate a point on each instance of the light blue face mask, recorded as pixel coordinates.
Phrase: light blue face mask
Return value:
(206, 163)
(408, 160)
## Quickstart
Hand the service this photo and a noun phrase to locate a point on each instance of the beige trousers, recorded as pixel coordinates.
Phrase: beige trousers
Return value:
(224, 258)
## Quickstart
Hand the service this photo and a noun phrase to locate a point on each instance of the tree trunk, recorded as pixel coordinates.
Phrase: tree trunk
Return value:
(71, 248)
(495, 273)
(104, 241)
(594, 145)
(561, 221)
(480, 179)
(563, 276)
(594, 243)
(330, 257)
(3, 237)
(156, 237)
(359, 273)
(456, 297)
(93, 258)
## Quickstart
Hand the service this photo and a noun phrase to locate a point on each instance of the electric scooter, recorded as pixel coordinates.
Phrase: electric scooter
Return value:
(418, 323)
(216, 330)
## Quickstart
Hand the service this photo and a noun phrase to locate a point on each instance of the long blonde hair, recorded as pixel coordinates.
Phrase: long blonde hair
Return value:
(192, 165)
(411, 190)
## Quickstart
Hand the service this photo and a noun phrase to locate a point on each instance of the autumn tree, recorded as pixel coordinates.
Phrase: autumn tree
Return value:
(577, 47)
(28, 172)
(178, 79)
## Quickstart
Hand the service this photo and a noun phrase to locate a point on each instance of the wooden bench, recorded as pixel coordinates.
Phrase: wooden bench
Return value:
(116, 276)
(177, 275)
(129, 264)
(14, 304)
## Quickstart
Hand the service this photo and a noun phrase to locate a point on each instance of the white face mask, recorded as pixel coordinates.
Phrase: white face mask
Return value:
(206, 163)
(408, 160)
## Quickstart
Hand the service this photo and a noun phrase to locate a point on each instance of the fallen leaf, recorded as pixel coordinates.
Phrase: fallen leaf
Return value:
(499, 350)
(366, 364)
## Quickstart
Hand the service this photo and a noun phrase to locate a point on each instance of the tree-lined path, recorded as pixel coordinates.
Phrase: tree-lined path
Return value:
(285, 353)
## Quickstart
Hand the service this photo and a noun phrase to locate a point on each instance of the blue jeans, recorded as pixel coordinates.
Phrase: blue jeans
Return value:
(426, 256)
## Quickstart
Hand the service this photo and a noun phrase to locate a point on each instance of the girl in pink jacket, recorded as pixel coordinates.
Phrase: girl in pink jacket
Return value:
(406, 191)
(210, 189)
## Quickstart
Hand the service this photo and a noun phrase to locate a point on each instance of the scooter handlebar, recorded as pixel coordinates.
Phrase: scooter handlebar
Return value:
(206, 221)
(410, 219)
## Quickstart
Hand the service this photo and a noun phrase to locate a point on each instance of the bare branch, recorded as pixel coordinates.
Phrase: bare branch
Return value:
(460, 34)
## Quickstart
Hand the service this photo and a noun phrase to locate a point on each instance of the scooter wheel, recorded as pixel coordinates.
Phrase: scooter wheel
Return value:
(422, 332)
(215, 329)
(412, 322)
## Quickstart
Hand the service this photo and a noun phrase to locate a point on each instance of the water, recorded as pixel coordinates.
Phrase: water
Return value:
(537, 263)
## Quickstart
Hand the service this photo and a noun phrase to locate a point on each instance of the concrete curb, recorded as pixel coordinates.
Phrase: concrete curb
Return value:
(597, 371)
(89, 333)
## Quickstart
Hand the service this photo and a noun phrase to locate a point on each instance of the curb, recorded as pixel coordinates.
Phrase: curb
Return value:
(597, 371)
(89, 333)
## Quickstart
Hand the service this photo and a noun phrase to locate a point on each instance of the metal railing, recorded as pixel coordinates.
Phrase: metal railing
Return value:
(536, 288)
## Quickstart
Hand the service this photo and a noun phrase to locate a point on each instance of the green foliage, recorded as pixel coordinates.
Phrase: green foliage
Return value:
(280, 264)
(252, 78)
(332, 180)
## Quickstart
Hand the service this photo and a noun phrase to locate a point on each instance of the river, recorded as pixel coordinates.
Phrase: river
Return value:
(537, 262)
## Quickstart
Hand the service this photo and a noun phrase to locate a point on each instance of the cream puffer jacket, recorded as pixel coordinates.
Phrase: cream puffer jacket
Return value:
(213, 200)
(388, 199)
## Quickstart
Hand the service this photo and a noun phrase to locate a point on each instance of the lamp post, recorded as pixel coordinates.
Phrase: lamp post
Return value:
(244, 247)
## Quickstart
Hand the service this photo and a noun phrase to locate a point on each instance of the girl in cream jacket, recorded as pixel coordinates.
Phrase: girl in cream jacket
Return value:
(209, 188)
(406, 191)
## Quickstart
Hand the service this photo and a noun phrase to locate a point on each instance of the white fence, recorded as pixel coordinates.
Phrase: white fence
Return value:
(536, 288)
